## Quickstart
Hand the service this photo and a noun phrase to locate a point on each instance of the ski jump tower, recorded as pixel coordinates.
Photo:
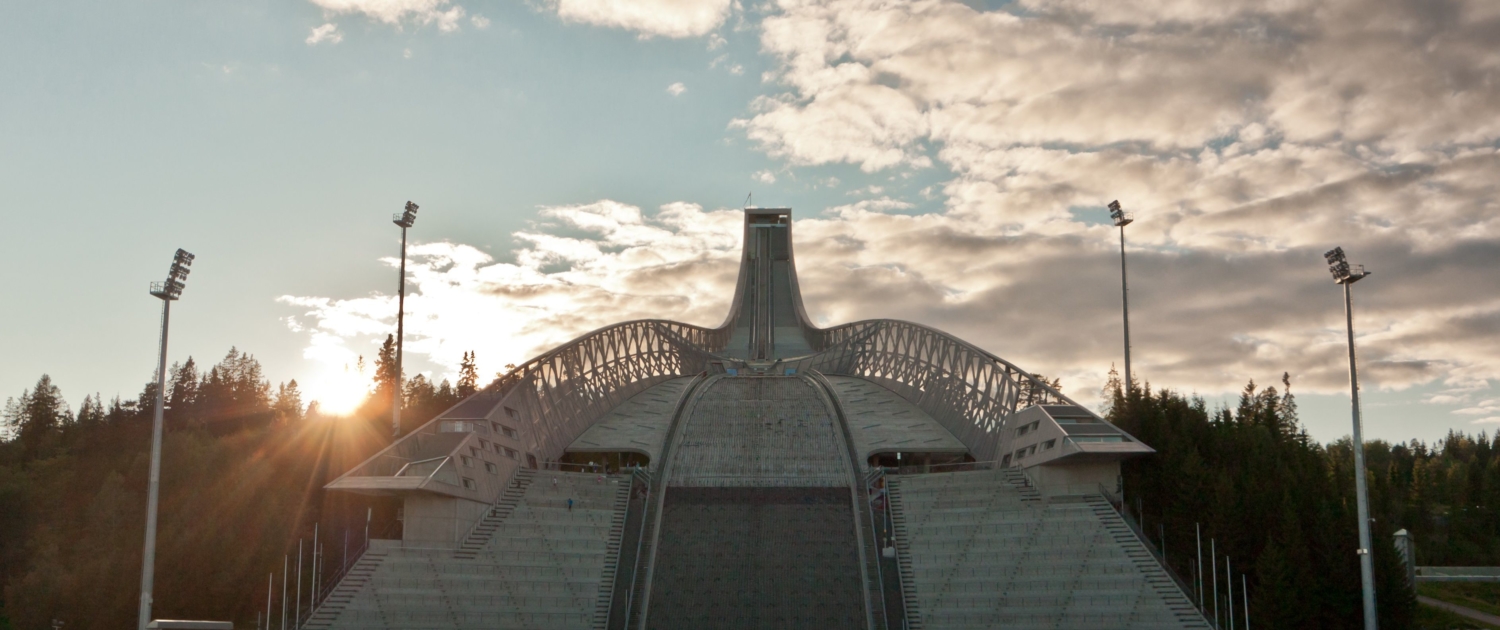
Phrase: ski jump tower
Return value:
(764, 473)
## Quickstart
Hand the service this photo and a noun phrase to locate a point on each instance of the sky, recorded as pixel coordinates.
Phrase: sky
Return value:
(583, 162)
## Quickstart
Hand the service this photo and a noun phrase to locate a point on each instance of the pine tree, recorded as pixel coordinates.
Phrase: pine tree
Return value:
(386, 379)
(419, 394)
(90, 412)
(10, 420)
(1113, 392)
(288, 405)
(468, 376)
(182, 390)
(43, 413)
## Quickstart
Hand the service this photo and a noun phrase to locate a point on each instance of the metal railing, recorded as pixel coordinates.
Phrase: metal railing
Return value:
(629, 497)
(640, 539)
(513, 481)
(858, 500)
(922, 469)
(321, 593)
(656, 504)
(1118, 505)
(875, 529)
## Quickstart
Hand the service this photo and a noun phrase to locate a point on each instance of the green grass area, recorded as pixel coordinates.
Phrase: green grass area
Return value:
(1429, 618)
(1481, 596)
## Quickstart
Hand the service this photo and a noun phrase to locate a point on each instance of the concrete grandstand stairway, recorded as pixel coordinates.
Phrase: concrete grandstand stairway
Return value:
(474, 543)
(980, 550)
(354, 581)
(543, 565)
(1165, 587)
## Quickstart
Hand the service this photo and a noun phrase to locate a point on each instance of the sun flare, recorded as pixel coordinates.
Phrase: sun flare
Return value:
(338, 390)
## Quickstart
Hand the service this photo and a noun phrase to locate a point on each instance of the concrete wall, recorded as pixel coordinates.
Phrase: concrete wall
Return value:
(1075, 478)
(435, 521)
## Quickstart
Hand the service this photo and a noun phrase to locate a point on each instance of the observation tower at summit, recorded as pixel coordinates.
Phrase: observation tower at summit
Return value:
(766, 473)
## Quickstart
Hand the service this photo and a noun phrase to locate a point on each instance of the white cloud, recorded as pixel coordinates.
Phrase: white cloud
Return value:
(398, 12)
(1248, 138)
(326, 33)
(764, 177)
(676, 89)
(480, 22)
(649, 18)
(626, 266)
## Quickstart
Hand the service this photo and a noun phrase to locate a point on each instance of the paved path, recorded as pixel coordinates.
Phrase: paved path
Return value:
(1460, 610)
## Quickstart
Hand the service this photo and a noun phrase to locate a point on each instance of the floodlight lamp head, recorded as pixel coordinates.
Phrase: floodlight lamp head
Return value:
(1120, 216)
(407, 218)
(171, 289)
(1338, 266)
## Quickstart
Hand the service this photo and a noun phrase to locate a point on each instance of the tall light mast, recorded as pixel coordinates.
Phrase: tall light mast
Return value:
(1345, 275)
(405, 220)
(1122, 219)
(168, 292)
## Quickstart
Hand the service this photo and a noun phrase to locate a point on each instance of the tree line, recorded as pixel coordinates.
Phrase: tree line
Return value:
(1281, 507)
(243, 469)
(244, 464)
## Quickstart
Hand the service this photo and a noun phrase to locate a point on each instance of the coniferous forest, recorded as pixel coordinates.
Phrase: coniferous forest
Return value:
(1280, 508)
(244, 464)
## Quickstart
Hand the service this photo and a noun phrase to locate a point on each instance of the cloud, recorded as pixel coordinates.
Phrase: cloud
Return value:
(584, 267)
(480, 22)
(764, 177)
(399, 12)
(326, 33)
(648, 18)
(676, 89)
(1248, 138)
(1049, 302)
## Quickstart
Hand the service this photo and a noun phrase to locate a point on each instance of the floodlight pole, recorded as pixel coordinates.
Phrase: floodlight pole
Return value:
(1125, 304)
(400, 335)
(167, 292)
(405, 220)
(1121, 219)
(148, 563)
(1362, 497)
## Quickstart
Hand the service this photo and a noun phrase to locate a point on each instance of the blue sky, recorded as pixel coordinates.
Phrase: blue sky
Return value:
(938, 152)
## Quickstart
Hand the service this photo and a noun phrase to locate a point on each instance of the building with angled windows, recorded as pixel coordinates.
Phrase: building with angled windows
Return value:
(765, 473)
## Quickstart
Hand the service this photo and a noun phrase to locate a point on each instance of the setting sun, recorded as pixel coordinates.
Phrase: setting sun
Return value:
(338, 390)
